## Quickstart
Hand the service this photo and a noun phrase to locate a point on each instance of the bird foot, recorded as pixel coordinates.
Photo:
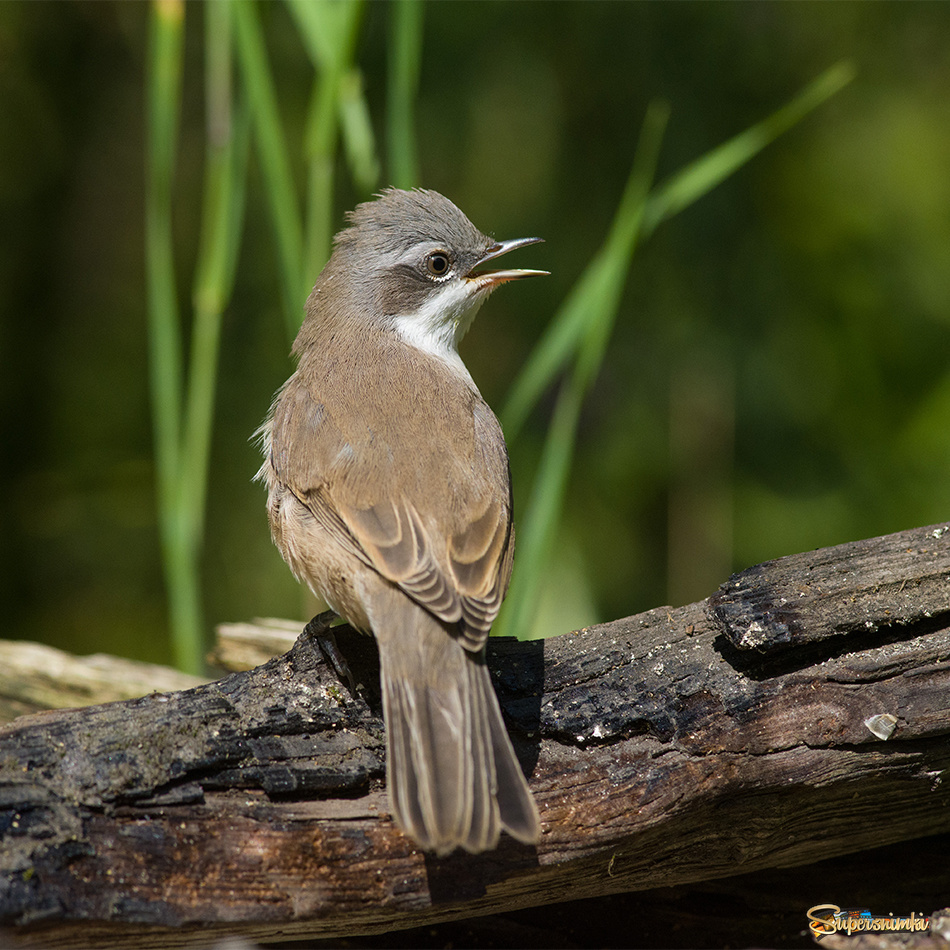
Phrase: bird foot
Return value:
(320, 631)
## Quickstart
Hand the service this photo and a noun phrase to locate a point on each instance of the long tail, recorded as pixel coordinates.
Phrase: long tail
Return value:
(452, 775)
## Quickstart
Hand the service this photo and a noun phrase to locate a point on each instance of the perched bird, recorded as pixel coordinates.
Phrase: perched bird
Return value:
(389, 494)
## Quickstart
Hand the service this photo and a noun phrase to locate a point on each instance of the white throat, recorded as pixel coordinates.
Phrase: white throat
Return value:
(439, 324)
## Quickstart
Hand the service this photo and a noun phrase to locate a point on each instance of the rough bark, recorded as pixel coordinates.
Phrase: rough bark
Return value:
(664, 748)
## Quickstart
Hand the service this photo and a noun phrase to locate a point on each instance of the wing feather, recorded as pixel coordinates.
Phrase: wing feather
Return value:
(380, 512)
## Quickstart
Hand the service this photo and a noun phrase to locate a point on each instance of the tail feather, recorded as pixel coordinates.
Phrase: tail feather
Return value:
(452, 774)
(404, 794)
(485, 825)
(516, 809)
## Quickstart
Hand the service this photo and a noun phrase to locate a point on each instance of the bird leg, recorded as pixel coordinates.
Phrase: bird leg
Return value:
(320, 631)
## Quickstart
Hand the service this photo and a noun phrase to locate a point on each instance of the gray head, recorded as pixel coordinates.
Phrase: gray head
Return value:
(411, 260)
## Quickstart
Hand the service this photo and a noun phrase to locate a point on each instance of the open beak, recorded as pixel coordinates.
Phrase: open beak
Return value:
(492, 278)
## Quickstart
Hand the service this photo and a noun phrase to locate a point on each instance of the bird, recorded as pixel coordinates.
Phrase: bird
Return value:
(389, 495)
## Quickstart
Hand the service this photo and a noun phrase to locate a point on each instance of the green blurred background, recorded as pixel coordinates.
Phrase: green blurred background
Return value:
(778, 378)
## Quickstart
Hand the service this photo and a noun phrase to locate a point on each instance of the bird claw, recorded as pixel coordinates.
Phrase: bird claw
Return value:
(320, 631)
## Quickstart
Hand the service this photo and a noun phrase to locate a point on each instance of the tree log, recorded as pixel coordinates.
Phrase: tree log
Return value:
(799, 713)
(35, 677)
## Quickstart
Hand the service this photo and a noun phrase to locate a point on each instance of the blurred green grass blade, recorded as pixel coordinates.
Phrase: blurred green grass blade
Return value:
(238, 164)
(341, 74)
(321, 153)
(275, 159)
(317, 23)
(582, 326)
(166, 30)
(221, 191)
(329, 29)
(165, 64)
(598, 289)
(357, 128)
(552, 352)
(404, 68)
(356, 124)
(563, 336)
(329, 32)
(593, 310)
(221, 225)
(701, 176)
(537, 529)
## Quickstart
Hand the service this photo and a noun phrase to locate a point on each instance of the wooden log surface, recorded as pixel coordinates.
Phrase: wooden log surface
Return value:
(663, 748)
(34, 677)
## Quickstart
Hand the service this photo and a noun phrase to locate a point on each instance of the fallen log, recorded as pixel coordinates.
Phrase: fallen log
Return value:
(799, 713)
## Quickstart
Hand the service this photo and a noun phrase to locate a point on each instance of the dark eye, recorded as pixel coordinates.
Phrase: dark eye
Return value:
(438, 264)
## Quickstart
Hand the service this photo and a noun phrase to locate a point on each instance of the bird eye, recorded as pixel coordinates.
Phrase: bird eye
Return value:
(438, 264)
